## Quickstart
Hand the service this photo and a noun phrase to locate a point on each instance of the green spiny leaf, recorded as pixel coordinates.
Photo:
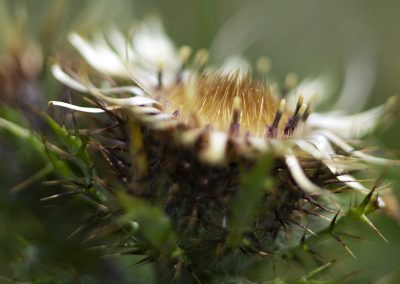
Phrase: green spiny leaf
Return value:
(247, 203)
(154, 226)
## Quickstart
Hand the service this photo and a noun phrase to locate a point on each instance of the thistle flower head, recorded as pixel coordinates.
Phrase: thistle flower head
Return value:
(170, 90)
(200, 123)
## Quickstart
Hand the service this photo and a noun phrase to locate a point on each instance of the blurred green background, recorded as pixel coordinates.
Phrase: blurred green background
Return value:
(358, 39)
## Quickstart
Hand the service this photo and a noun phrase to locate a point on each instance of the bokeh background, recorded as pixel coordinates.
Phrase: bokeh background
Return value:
(356, 44)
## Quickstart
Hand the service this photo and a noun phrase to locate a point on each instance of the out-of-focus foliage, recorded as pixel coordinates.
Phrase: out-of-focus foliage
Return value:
(37, 244)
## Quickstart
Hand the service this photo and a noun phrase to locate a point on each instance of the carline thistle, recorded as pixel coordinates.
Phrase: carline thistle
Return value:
(197, 129)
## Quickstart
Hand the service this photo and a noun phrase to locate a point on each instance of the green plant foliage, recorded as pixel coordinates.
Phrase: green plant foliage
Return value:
(153, 224)
(247, 202)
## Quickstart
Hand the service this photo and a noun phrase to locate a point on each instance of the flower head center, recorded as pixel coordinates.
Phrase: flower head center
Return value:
(226, 101)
